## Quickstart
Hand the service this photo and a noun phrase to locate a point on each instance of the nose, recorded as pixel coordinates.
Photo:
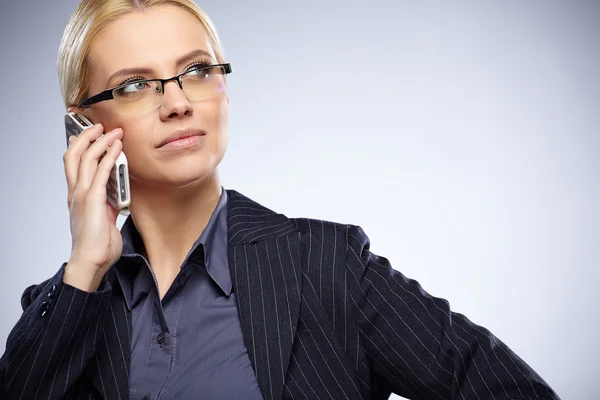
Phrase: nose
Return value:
(174, 103)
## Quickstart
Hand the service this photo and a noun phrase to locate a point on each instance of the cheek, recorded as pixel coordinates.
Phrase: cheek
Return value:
(137, 134)
(135, 130)
(215, 117)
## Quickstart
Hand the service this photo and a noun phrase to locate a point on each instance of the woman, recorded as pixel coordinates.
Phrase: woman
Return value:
(205, 293)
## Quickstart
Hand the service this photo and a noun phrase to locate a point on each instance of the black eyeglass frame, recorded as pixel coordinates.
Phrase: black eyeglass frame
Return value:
(108, 93)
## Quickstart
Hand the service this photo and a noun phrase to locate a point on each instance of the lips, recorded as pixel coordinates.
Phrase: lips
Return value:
(181, 134)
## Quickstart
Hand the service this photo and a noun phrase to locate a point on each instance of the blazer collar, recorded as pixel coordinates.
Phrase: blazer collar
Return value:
(250, 222)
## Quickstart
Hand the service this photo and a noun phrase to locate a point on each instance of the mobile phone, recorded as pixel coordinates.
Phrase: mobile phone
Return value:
(117, 188)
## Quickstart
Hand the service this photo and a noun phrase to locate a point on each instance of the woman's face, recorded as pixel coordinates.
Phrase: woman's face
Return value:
(163, 41)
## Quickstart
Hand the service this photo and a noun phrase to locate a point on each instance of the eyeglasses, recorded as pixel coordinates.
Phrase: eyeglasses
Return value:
(144, 95)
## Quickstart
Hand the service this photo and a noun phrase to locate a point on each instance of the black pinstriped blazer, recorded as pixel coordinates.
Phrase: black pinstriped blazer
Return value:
(322, 318)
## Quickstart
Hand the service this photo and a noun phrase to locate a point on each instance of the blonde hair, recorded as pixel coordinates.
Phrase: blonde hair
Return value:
(88, 20)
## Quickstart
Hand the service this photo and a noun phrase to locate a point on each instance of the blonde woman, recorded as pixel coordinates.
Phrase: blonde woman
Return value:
(205, 293)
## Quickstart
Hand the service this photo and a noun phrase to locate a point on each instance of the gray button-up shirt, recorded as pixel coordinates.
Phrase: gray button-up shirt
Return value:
(190, 344)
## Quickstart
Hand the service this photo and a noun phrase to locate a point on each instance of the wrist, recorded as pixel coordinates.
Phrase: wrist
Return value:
(82, 276)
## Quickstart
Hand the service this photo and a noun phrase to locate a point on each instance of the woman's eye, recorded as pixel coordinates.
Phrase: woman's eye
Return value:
(135, 87)
(198, 73)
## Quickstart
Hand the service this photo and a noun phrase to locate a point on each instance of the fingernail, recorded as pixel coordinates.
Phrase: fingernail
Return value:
(70, 139)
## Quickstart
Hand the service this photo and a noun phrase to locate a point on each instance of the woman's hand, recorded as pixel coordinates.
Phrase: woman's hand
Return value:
(96, 241)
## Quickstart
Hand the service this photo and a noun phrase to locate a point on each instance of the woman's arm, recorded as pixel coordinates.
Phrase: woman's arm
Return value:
(421, 348)
(54, 339)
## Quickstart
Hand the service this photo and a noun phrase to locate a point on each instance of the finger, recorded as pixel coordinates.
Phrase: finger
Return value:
(91, 157)
(88, 136)
(71, 158)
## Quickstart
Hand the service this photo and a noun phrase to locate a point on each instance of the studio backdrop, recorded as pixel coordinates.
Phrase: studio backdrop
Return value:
(463, 137)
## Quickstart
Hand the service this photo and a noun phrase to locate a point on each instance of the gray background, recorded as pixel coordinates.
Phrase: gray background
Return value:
(462, 136)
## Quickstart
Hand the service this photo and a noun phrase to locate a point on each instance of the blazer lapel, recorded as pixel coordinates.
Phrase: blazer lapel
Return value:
(109, 368)
(264, 259)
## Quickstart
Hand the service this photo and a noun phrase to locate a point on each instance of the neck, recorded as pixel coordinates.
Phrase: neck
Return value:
(170, 220)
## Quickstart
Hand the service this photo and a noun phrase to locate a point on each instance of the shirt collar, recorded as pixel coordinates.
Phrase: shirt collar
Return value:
(211, 246)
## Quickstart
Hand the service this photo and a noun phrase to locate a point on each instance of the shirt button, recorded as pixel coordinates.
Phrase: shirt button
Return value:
(183, 279)
(160, 338)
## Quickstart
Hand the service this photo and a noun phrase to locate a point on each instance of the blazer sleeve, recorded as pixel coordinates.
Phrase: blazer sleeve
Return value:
(54, 339)
(419, 347)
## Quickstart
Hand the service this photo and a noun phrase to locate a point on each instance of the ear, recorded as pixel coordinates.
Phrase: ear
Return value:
(75, 109)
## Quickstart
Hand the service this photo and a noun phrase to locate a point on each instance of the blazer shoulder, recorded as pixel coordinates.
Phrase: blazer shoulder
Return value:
(355, 235)
(320, 228)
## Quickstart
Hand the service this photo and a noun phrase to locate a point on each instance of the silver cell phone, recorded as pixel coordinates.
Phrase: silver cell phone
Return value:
(117, 188)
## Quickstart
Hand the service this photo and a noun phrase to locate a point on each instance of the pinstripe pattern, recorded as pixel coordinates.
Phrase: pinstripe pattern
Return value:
(322, 318)
(35, 362)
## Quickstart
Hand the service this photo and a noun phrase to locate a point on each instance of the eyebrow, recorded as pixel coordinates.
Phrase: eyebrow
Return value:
(144, 70)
